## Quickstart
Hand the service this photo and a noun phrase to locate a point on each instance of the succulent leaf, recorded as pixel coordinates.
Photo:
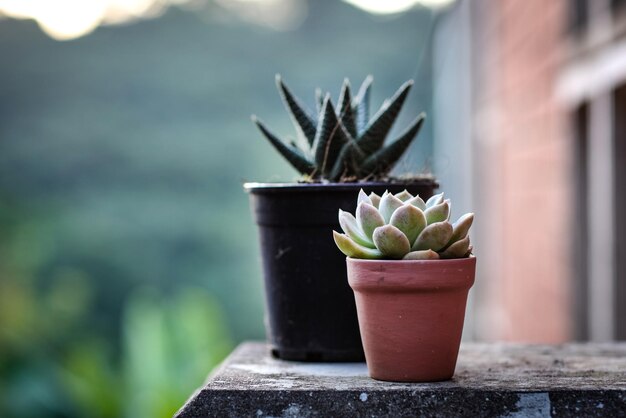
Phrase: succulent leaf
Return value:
(417, 202)
(347, 160)
(434, 200)
(375, 199)
(300, 114)
(344, 109)
(379, 126)
(421, 255)
(434, 237)
(404, 195)
(363, 197)
(350, 226)
(410, 220)
(391, 242)
(388, 204)
(383, 160)
(362, 104)
(461, 227)
(368, 218)
(354, 250)
(290, 153)
(438, 213)
(329, 139)
(293, 145)
(457, 250)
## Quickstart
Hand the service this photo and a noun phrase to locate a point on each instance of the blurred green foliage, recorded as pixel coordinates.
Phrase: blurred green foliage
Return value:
(56, 358)
(128, 256)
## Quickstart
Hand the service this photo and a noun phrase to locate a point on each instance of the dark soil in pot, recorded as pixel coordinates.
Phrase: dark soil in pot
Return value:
(310, 308)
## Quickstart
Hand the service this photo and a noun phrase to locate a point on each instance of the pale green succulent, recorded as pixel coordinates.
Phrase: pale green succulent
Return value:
(403, 226)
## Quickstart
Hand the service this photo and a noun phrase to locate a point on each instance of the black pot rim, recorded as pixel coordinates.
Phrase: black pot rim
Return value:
(254, 187)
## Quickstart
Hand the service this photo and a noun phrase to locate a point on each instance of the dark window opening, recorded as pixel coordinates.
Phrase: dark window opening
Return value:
(619, 164)
(580, 129)
(578, 15)
(617, 5)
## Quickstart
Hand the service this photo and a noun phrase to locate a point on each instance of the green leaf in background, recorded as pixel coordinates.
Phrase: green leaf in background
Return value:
(169, 345)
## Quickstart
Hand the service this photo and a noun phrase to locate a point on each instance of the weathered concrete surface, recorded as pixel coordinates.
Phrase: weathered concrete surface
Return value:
(499, 380)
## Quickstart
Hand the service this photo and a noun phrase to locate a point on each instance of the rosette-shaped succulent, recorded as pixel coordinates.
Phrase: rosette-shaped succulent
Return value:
(403, 226)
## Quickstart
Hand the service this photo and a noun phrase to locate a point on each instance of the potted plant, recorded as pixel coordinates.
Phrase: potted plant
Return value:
(411, 270)
(310, 311)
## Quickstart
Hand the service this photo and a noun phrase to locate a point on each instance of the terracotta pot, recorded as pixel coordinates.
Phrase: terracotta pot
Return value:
(411, 315)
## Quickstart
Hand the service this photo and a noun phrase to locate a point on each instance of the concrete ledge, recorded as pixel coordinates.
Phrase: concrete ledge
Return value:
(494, 380)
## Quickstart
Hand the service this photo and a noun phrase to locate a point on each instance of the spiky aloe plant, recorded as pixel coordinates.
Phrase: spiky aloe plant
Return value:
(344, 143)
(403, 226)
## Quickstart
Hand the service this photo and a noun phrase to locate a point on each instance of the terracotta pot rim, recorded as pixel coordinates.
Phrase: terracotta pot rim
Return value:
(425, 262)
(411, 275)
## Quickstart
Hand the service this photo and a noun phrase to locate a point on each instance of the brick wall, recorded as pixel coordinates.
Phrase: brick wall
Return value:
(523, 170)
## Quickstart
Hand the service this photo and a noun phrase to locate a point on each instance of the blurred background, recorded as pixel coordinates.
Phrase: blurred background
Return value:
(128, 256)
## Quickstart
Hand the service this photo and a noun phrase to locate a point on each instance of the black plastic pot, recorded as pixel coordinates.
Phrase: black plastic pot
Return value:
(310, 309)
